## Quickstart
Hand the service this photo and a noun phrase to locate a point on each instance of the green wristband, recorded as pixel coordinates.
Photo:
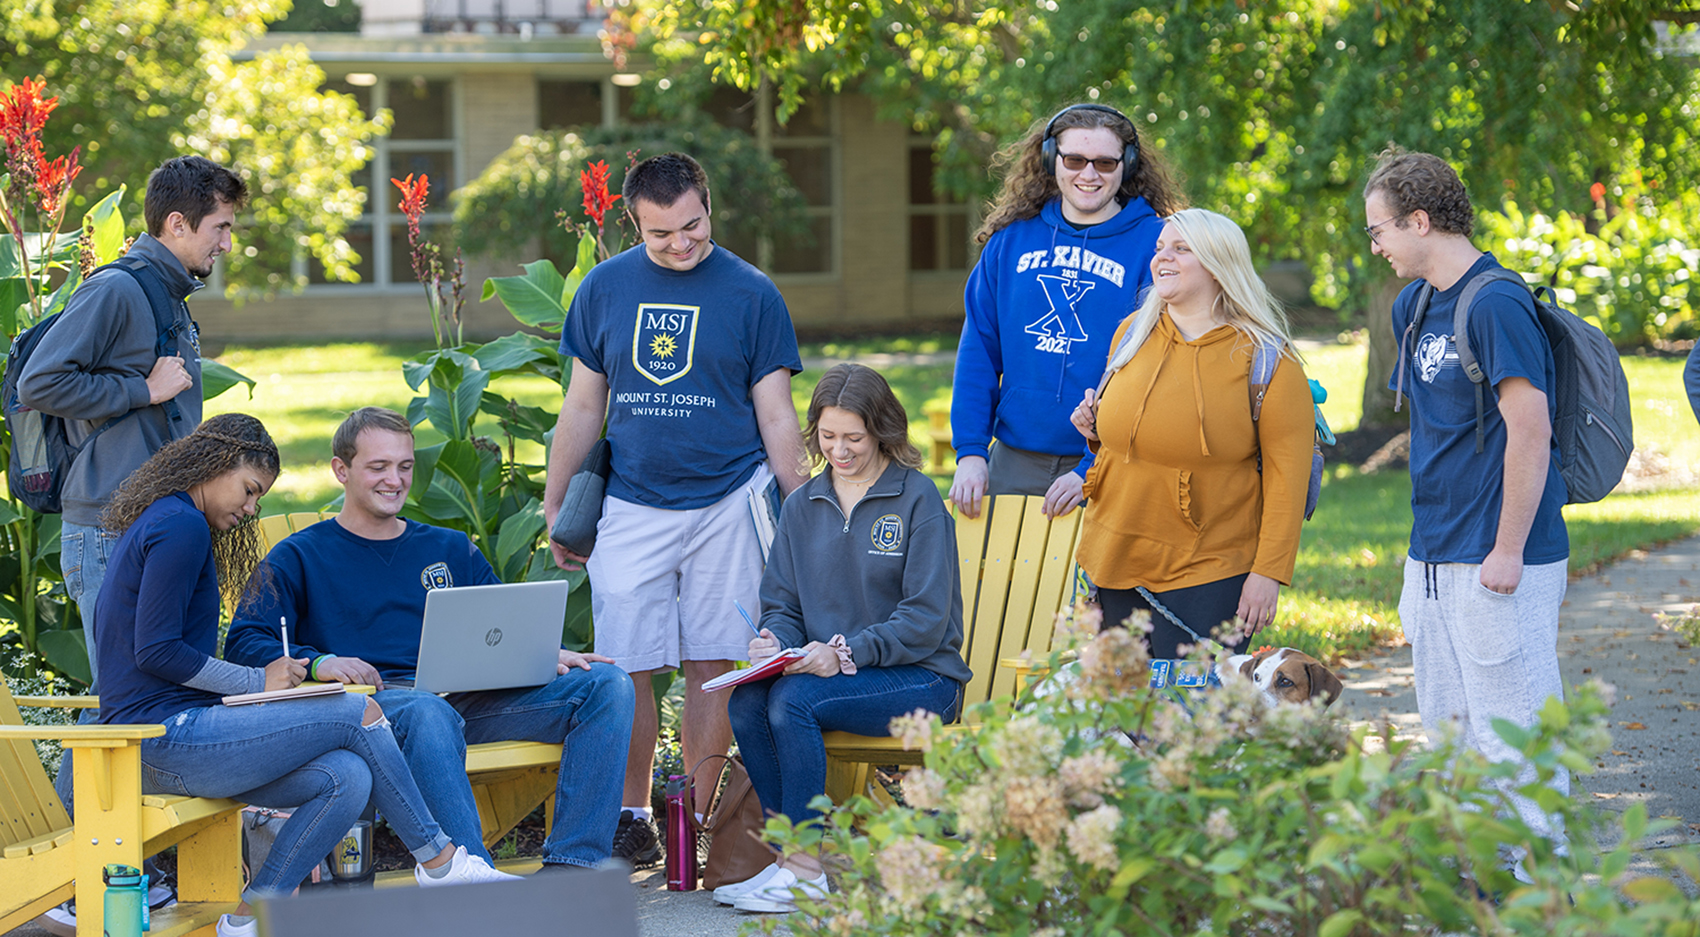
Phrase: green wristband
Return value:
(313, 668)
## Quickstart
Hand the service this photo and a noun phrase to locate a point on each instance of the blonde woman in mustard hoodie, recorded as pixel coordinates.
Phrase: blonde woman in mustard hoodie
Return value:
(1182, 520)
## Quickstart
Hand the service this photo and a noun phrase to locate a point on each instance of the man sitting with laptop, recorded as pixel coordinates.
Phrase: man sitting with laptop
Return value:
(351, 594)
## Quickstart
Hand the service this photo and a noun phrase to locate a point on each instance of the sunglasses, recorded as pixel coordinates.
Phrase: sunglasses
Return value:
(1074, 162)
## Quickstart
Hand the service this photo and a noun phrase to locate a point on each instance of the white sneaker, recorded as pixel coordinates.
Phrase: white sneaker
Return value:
(778, 896)
(464, 869)
(227, 929)
(729, 894)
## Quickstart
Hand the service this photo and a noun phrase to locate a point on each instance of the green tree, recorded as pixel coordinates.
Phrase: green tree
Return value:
(143, 80)
(1275, 110)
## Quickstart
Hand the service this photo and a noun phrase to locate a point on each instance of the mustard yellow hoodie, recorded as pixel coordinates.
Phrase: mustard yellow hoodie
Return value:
(1176, 499)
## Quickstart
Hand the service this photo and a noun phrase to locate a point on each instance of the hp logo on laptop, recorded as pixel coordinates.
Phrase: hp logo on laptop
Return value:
(493, 637)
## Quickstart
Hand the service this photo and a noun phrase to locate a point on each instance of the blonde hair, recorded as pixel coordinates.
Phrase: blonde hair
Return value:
(1221, 247)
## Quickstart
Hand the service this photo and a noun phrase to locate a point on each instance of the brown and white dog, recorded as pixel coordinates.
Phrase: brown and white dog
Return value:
(1284, 675)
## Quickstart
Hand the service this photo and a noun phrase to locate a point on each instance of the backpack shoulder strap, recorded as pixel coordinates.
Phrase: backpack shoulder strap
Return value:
(1461, 337)
(1264, 358)
(1461, 318)
(1425, 293)
(164, 307)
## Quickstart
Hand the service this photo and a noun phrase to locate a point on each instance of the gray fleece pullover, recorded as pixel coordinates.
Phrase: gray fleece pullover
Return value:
(94, 364)
(886, 577)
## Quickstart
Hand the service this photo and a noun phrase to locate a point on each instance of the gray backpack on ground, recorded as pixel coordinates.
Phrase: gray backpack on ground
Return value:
(1592, 426)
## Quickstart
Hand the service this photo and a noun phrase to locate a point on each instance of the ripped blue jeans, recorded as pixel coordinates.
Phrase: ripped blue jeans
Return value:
(312, 755)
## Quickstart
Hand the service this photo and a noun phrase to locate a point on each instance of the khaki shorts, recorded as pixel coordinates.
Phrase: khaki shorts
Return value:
(663, 583)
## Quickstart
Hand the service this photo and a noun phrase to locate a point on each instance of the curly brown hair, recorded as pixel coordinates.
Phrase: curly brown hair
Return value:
(1027, 186)
(218, 446)
(864, 392)
(1411, 182)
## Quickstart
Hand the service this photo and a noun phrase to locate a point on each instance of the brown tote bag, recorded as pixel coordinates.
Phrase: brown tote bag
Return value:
(735, 851)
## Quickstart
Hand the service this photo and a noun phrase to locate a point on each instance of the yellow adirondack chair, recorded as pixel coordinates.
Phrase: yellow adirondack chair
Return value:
(1017, 573)
(509, 779)
(46, 859)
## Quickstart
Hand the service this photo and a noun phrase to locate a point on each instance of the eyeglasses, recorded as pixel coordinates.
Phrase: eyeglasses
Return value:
(1374, 237)
(1074, 162)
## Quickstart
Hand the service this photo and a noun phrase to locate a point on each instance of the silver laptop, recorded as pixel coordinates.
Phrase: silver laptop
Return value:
(491, 637)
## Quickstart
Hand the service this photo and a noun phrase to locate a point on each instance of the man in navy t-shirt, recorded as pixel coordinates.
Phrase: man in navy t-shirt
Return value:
(688, 352)
(352, 591)
(1486, 569)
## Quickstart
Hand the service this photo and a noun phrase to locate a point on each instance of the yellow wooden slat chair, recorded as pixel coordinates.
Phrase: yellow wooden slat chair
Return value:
(1017, 573)
(45, 858)
(509, 779)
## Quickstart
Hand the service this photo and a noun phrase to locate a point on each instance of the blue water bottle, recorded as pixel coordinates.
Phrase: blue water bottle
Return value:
(126, 900)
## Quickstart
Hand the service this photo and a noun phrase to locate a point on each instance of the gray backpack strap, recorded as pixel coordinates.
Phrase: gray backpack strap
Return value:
(1424, 294)
(1461, 336)
(1263, 361)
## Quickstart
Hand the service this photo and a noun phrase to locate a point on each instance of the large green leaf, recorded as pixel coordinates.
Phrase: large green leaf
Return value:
(452, 411)
(462, 488)
(514, 352)
(9, 257)
(523, 421)
(216, 378)
(517, 540)
(62, 295)
(424, 467)
(577, 632)
(108, 224)
(581, 269)
(65, 651)
(8, 514)
(14, 293)
(535, 299)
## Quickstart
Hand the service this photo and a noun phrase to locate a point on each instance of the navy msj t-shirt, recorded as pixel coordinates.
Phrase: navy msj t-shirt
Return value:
(1456, 493)
(681, 352)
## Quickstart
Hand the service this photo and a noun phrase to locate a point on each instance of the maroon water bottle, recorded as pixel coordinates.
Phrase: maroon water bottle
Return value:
(681, 835)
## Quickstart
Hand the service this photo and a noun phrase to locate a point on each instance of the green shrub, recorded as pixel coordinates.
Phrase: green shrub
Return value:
(1240, 819)
(1636, 275)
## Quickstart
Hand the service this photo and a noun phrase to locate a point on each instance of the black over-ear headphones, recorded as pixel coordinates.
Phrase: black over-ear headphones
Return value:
(1048, 143)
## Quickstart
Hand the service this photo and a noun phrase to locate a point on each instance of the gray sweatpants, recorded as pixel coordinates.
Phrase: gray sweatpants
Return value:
(1482, 656)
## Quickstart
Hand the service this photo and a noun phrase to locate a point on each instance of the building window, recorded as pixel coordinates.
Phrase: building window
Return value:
(938, 222)
(564, 104)
(806, 146)
(422, 140)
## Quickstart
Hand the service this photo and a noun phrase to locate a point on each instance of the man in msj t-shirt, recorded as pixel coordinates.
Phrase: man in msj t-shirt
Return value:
(352, 590)
(688, 353)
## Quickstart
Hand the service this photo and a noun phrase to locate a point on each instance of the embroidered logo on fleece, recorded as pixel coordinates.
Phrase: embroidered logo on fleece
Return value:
(887, 534)
(436, 576)
(664, 340)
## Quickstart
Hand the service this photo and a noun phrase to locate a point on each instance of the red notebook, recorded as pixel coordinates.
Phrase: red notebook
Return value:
(767, 668)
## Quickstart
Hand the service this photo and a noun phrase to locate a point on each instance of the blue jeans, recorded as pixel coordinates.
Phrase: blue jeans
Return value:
(83, 552)
(788, 714)
(589, 712)
(312, 755)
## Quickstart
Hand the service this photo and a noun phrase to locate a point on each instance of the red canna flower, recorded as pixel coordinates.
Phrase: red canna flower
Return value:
(597, 198)
(53, 180)
(23, 111)
(1597, 191)
(413, 196)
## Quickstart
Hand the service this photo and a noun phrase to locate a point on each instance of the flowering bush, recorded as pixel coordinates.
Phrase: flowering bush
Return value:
(1048, 820)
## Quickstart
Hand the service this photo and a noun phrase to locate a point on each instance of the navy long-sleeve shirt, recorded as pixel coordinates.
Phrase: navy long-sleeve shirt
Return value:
(346, 595)
(156, 621)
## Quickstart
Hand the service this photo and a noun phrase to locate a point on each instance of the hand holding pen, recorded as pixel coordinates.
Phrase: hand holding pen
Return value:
(764, 644)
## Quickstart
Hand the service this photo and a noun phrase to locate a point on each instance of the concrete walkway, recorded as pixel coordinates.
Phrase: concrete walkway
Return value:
(1606, 631)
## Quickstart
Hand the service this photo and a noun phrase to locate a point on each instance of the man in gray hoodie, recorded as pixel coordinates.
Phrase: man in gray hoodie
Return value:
(99, 362)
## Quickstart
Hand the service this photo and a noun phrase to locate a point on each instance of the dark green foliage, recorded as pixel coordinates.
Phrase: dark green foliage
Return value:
(517, 197)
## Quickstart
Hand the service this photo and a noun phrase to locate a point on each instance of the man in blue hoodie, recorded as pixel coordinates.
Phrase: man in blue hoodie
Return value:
(1067, 256)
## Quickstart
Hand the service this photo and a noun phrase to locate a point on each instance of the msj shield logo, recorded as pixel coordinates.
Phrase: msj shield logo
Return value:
(664, 341)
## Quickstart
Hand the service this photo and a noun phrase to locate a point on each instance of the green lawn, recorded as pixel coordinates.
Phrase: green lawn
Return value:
(1347, 580)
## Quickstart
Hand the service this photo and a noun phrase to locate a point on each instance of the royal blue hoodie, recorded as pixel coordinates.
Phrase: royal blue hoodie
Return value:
(1042, 304)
